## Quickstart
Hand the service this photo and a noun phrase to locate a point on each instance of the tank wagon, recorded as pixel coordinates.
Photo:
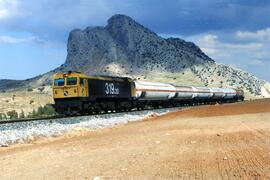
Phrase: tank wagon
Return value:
(77, 93)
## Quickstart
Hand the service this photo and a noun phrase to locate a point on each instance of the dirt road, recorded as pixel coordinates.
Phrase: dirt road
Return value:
(229, 141)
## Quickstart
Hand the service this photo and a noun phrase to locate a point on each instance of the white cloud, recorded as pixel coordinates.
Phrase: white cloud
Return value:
(8, 8)
(209, 50)
(32, 39)
(15, 40)
(257, 62)
(251, 54)
(260, 35)
(211, 41)
(249, 46)
(217, 49)
(3, 13)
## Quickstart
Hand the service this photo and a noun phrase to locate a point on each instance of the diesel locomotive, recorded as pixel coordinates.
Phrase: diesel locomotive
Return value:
(78, 93)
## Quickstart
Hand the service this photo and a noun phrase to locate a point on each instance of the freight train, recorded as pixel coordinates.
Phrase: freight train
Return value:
(78, 93)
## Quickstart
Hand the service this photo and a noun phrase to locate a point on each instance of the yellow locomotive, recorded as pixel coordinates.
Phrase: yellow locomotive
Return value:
(74, 92)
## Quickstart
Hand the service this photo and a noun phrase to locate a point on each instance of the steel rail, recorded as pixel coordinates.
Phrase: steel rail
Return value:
(49, 118)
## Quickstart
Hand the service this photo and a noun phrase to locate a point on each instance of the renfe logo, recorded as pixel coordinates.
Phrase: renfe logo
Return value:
(110, 88)
(66, 93)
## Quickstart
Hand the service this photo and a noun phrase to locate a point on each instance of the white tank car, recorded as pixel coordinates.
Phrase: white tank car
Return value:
(183, 93)
(229, 93)
(154, 91)
(202, 93)
(218, 93)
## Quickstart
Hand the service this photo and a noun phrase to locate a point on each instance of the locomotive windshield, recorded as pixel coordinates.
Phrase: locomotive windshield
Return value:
(71, 81)
(59, 82)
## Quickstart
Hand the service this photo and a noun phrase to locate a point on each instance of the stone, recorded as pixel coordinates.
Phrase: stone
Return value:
(96, 178)
(4, 145)
(153, 115)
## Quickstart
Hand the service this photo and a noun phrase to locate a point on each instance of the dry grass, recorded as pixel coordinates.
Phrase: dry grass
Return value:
(23, 100)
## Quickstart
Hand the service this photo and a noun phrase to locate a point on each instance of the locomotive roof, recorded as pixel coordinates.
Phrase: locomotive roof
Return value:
(82, 75)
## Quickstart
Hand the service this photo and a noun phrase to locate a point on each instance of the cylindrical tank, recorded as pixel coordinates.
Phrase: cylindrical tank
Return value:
(229, 93)
(154, 91)
(217, 93)
(239, 94)
(202, 93)
(183, 93)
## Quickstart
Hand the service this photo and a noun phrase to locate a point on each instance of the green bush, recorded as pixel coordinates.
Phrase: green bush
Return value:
(41, 89)
(22, 115)
(12, 114)
(3, 116)
(42, 111)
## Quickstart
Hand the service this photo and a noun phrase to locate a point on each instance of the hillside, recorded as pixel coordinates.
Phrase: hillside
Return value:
(126, 48)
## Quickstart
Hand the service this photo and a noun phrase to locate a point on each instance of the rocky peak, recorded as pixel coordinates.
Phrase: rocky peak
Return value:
(124, 41)
(127, 31)
(122, 23)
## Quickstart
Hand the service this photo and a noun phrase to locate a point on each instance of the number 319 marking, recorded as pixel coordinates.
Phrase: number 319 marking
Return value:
(111, 89)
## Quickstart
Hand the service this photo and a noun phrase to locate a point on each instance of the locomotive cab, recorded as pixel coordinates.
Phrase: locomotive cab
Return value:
(68, 89)
(69, 85)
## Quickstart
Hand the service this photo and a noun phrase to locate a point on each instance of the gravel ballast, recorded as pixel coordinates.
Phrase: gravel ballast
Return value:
(22, 132)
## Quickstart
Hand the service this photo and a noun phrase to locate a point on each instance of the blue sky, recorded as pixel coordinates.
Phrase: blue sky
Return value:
(33, 34)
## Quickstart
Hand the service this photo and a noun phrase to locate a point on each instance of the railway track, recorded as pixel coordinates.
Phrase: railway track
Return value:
(20, 131)
(30, 119)
(62, 117)
(23, 130)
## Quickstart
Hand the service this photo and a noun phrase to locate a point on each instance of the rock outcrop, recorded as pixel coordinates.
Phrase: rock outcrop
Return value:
(124, 41)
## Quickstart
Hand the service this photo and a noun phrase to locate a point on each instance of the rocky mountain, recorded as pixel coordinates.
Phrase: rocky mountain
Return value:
(127, 43)
(126, 48)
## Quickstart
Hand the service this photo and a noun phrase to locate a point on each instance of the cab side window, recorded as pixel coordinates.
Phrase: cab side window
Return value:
(81, 81)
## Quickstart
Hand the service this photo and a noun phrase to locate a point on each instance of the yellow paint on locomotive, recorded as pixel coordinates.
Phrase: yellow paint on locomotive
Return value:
(133, 90)
(77, 88)
(80, 88)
